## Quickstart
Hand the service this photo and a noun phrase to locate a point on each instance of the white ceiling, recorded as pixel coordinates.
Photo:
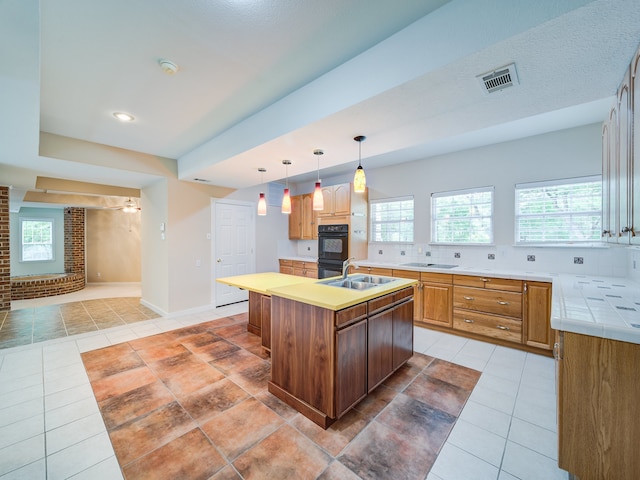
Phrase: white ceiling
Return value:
(264, 80)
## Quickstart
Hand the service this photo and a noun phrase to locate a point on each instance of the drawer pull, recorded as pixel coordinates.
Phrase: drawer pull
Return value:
(502, 327)
(503, 303)
(485, 279)
(466, 320)
(468, 298)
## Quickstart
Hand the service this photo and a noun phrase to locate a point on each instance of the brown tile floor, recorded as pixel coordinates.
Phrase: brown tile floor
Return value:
(31, 325)
(193, 403)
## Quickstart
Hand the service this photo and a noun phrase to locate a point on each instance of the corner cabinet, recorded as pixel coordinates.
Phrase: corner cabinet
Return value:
(323, 362)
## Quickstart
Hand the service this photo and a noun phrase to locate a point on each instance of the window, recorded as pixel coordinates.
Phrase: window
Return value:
(463, 216)
(559, 211)
(392, 220)
(36, 243)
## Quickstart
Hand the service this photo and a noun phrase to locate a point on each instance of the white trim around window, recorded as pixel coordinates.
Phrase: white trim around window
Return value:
(462, 217)
(391, 220)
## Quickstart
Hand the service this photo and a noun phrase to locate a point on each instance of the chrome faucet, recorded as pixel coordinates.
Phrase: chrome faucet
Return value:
(345, 266)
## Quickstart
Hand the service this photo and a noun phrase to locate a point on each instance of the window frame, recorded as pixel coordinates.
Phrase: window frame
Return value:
(21, 244)
(451, 193)
(371, 222)
(549, 183)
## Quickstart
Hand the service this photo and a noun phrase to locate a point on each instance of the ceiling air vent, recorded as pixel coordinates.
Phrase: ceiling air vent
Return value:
(499, 79)
(201, 180)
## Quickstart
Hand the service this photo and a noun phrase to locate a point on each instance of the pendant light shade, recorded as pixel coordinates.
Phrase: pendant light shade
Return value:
(318, 200)
(286, 199)
(262, 201)
(359, 179)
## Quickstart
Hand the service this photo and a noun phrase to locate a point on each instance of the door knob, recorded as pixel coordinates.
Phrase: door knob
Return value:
(219, 260)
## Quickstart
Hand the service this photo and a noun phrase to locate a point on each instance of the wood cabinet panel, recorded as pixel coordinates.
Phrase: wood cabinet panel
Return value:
(295, 218)
(494, 326)
(342, 199)
(491, 301)
(598, 408)
(265, 330)
(351, 362)
(537, 315)
(402, 331)
(380, 348)
(255, 313)
(437, 303)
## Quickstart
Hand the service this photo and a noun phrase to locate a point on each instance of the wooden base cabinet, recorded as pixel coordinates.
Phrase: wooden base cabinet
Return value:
(537, 315)
(323, 362)
(598, 407)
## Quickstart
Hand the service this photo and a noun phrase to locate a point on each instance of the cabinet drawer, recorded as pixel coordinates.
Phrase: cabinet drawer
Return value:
(284, 262)
(348, 315)
(491, 301)
(380, 303)
(488, 325)
(488, 282)
(384, 272)
(402, 294)
(410, 274)
(436, 277)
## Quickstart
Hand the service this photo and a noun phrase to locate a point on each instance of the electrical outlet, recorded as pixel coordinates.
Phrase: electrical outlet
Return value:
(578, 260)
(402, 252)
(531, 258)
(456, 255)
(427, 253)
(491, 256)
(379, 252)
(308, 249)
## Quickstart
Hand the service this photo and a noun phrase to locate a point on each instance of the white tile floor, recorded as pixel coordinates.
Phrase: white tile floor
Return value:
(51, 428)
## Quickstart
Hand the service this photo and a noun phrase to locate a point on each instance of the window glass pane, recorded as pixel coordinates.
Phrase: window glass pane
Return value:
(463, 216)
(559, 211)
(36, 240)
(391, 220)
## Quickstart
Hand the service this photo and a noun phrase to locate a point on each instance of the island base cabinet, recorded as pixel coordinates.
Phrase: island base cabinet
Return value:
(598, 407)
(323, 362)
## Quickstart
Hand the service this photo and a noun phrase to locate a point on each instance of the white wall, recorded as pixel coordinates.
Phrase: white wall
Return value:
(32, 268)
(563, 154)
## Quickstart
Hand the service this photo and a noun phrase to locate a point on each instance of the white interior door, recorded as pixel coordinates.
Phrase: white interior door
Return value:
(233, 247)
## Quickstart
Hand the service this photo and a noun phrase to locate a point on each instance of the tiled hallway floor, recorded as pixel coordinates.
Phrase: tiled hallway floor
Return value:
(195, 400)
(51, 426)
(41, 323)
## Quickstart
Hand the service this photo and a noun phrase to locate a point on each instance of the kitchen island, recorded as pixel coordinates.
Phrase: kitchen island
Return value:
(331, 345)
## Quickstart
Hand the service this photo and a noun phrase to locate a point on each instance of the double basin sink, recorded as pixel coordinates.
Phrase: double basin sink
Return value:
(358, 282)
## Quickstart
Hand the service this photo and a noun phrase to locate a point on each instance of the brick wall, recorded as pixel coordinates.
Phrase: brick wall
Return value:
(5, 259)
(74, 240)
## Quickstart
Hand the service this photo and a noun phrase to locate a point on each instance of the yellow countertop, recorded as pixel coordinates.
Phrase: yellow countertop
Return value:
(310, 291)
(262, 282)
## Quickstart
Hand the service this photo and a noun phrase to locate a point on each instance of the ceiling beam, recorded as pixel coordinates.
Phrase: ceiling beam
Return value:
(49, 184)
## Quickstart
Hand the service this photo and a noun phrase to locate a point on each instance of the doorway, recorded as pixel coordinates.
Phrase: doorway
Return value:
(233, 247)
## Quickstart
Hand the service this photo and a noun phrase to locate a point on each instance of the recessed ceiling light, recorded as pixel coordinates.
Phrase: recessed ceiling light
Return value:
(124, 117)
(168, 66)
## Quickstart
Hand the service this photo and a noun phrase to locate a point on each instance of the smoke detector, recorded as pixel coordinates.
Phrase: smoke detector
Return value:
(499, 79)
(168, 66)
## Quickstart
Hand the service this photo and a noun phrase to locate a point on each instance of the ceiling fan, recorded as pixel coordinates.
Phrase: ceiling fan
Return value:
(130, 206)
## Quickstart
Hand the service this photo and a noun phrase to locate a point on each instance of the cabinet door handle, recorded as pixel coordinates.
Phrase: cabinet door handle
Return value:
(468, 298)
(502, 303)
(466, 320)
(502, 327)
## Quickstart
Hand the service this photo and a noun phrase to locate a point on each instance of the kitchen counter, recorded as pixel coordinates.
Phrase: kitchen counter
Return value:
(605, 307)
(310, 290)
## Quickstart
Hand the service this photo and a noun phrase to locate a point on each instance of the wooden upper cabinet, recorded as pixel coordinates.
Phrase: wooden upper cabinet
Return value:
(342, 199)
(337, 200)
(302, 220)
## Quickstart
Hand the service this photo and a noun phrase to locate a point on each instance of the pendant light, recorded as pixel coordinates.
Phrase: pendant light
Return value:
(286, 199)
(318, 200)
(262, 201)
(359, 179)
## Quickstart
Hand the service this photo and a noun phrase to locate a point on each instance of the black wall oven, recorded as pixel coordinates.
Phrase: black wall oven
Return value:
(333, 249)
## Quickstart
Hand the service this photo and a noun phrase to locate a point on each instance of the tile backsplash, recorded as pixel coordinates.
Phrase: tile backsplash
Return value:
(607, 260)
